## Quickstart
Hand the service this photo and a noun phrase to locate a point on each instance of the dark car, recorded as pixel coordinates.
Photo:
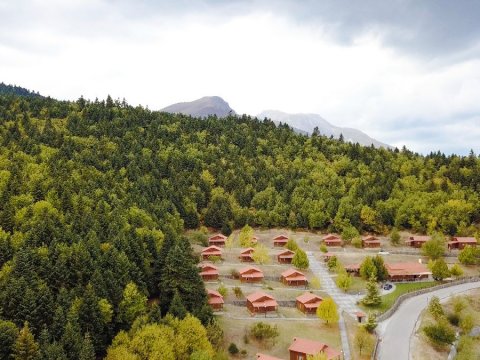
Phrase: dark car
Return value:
(387, 286)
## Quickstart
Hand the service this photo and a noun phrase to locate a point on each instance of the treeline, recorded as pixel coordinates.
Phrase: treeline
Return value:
(95, 196)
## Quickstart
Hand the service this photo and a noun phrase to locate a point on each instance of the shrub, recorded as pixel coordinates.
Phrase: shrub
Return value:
(323, 248)
(291, 245)
(234, 274)
(243, 353)
(453, 318)
(264, 332)
(233, 349)
(214, 258)
(332, 263)
(199, 237)
(395, 237)
(456, 270)
(300, 259)
(357, 242)
(435, 308)
(349, 232)
(238, 292)
(315, 283)
(222, 290)
(440, 333)
(344, 281)
(467, 322)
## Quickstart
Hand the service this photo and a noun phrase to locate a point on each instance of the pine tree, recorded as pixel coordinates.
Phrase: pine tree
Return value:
(176, 307)
(300, 259)
(371, 324)
(8, 335)
(87, 352)
(373, 295)
(25, 347)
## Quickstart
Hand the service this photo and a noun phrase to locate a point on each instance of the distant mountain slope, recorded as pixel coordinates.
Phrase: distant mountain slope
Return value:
(16, 90)
(307, 122)
(208, 105)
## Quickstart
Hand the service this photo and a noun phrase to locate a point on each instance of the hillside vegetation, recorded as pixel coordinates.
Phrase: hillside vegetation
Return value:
(95, 196)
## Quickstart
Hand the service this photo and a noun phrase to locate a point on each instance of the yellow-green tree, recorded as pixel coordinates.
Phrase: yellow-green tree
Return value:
(327, 311)
(260, 255)
(245, 236)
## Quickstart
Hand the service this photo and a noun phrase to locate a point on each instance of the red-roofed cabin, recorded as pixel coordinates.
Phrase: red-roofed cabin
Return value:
(215, 300)
(208, 272)
(261, 302)
(407, 271)
(211, 251)
(251, 274)
(285, 257)
(327, 256)
(417, 241)
(370, 241)
(461, 242)
(280, 240)
(246, 255)
(353, 269)
(266, 357)
(293, 277)
(332, 240)
(301, 348)
(218, 240)
(308, 303)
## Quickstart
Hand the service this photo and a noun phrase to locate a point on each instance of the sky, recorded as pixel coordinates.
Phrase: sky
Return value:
(406, 72)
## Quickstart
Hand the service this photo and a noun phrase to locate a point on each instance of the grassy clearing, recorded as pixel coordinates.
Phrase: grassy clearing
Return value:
(400, 289)
(235, 330)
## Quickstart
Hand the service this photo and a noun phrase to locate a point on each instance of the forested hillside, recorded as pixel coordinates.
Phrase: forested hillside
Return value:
(95, 197)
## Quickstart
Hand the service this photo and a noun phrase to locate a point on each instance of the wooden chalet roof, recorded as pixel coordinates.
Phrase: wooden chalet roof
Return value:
(247, 251)
(260, 298)
(293, 274)
(214, 297)
(286, 253)
(419, 238)
(311, 347)
(212, 249)
(331, 237)
(281, 238)
(308, 297)
(251, 271)
(464, 240)
(217, 237)
(406, 268)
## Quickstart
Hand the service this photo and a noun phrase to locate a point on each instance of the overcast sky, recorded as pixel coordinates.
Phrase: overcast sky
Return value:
(405, 72)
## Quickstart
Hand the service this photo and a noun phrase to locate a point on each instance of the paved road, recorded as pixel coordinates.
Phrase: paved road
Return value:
(395, 332)
(344, 301)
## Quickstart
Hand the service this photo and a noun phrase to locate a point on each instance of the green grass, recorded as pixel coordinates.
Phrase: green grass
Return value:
(400, 289)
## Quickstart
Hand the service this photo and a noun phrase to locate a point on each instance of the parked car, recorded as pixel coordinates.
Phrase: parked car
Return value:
(387, 286)
(383, 252)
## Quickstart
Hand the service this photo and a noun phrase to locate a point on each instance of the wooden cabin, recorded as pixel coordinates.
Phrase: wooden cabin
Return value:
(280, 240)
(211, 251)
(353, 269)
(285, 257)
(460, 242)
(215, 299)
(370, 241)
(251, 274)
(292, 277)
(308, 303)
(208, 272)
(407, 271)
(417, 241)
(246, 255)
(260, 302)
(217, 240)
(332, 240)
(301, 348)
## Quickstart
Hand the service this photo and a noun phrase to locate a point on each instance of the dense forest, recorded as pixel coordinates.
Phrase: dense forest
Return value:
(96, 195)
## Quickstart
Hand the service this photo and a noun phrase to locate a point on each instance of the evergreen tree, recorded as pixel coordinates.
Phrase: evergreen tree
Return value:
(300, 259)
(176, 308)
(373, 296)
(368, 268)
(87, 352)
(8, 337)
(381, 270)
(25, 347)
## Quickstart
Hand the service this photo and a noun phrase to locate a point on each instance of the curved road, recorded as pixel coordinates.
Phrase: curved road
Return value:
(396, 330)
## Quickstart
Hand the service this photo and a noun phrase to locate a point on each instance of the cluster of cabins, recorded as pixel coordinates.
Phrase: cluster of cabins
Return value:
(457, 242)
(369, 241)
(300, 349)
